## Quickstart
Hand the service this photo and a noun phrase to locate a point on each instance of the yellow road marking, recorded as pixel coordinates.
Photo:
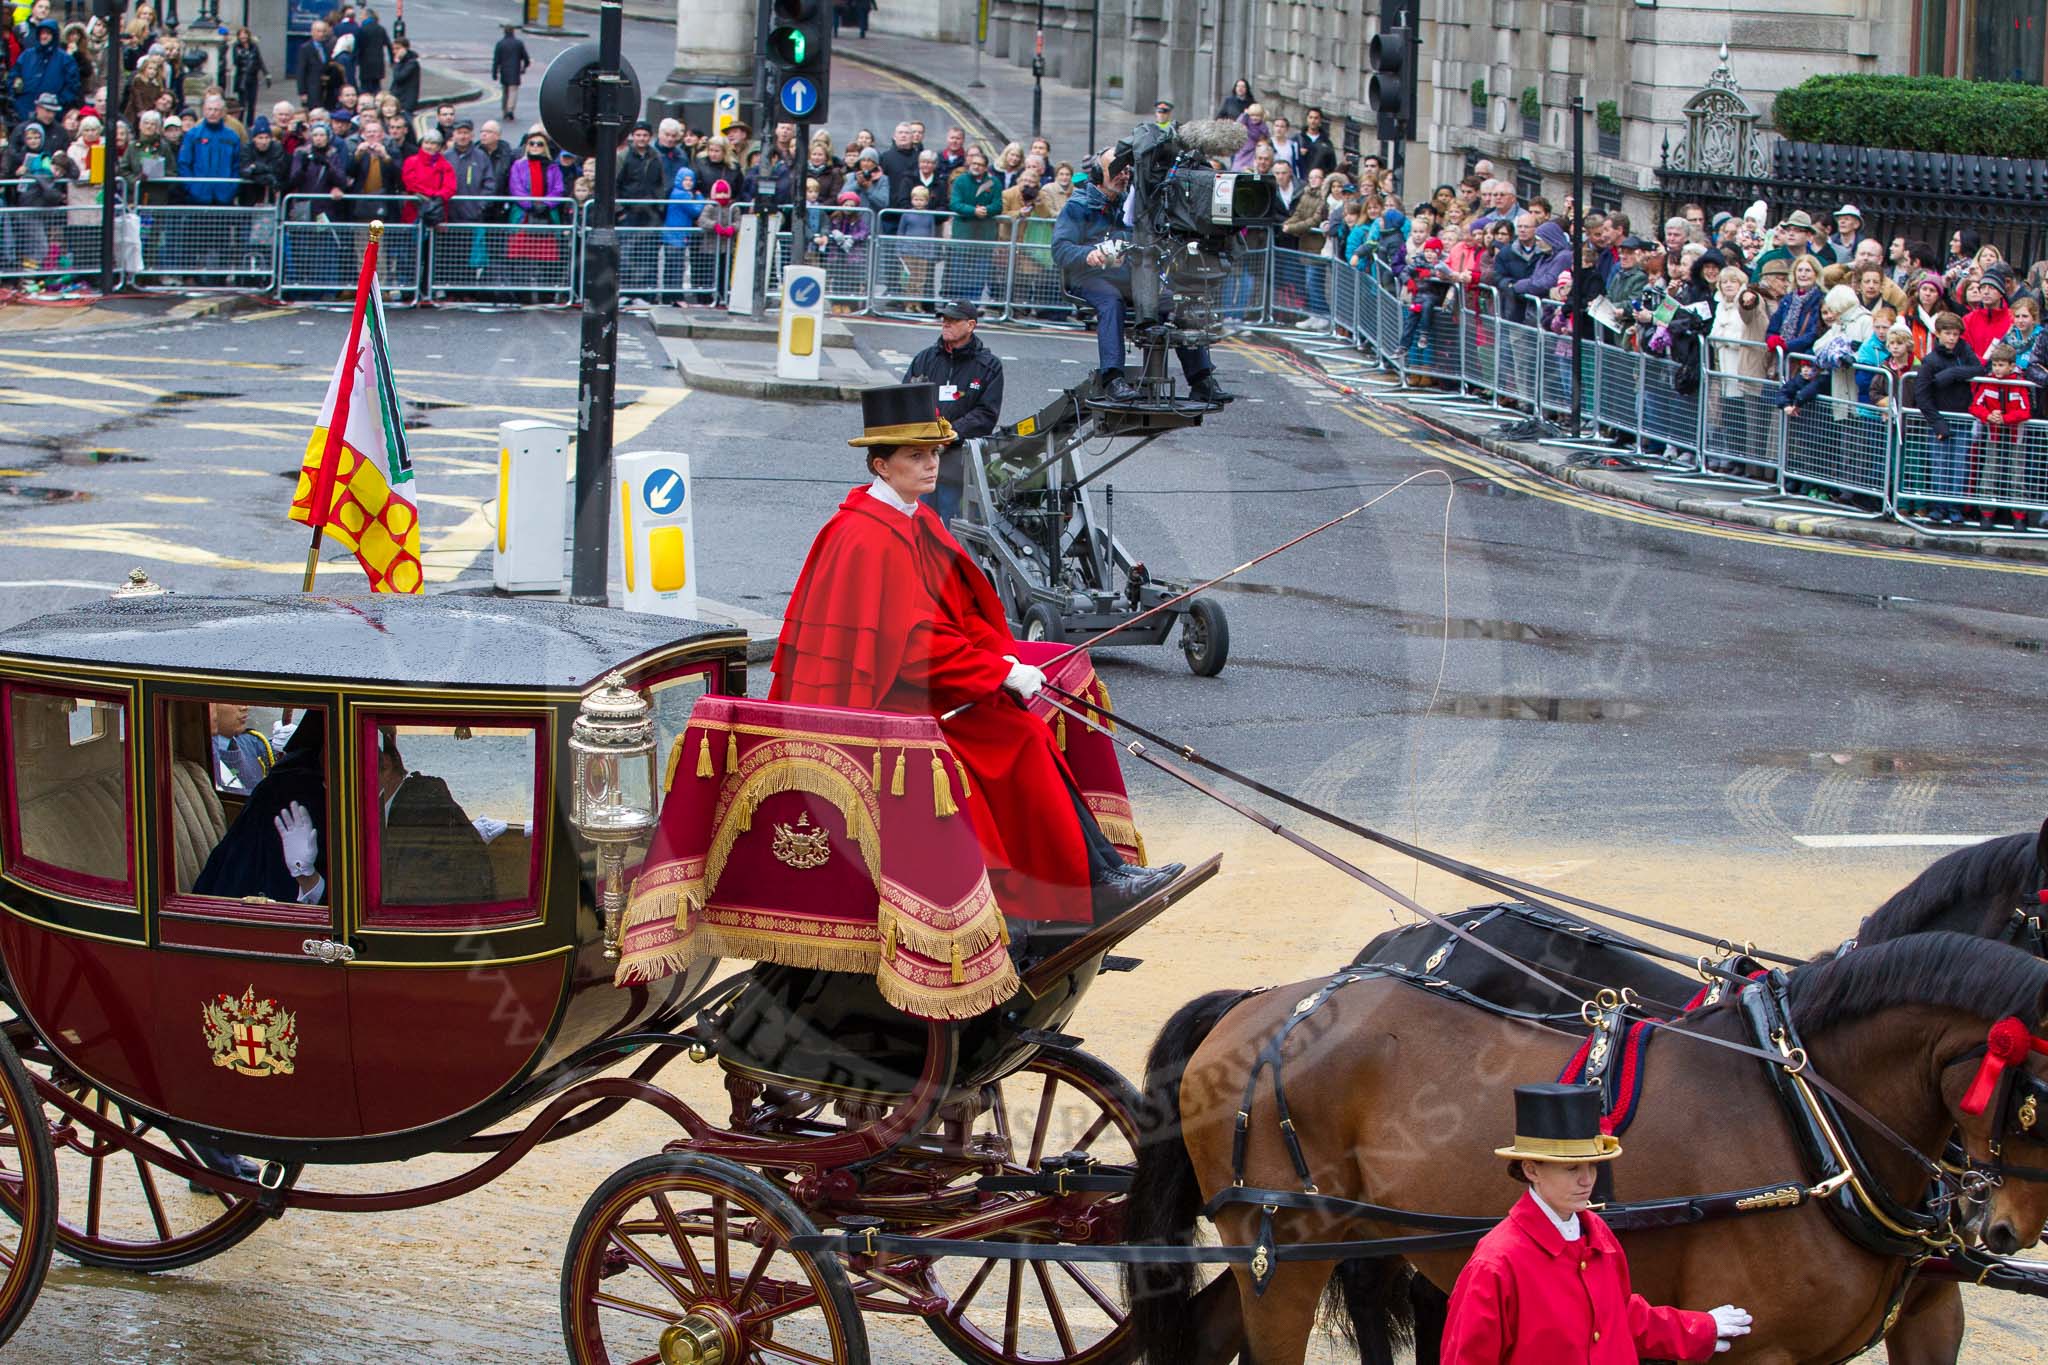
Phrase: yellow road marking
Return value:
(259, 317)
(968, 125)
(630, 422)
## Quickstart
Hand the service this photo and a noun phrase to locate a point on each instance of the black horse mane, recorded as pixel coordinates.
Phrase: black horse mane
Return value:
(1943, 971)
(1966, 874)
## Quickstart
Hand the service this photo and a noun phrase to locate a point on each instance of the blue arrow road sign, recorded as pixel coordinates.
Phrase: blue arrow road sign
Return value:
(663, 491)
(803, 291)
(799, 96)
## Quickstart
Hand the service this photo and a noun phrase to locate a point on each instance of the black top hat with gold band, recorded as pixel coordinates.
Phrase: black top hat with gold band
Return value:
(902, 415)
(1559, 1123)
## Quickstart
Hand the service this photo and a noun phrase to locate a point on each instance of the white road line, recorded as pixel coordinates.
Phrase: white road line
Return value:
(1890, 840)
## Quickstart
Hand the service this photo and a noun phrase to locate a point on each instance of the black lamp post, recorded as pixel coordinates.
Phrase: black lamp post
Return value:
(1038, 76)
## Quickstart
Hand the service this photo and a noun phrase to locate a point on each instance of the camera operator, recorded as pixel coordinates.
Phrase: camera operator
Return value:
(970, 380)
(1088, 243)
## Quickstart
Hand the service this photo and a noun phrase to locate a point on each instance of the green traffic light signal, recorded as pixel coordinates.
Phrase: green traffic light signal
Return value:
(788, 46)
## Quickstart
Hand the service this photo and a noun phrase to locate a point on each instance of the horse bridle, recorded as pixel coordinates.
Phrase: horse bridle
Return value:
(2015, 1096)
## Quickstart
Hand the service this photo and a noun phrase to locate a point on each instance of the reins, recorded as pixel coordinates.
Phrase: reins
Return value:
(1493, 881)
(1791, 1058)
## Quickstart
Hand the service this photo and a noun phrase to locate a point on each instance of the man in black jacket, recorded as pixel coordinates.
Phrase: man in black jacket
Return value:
(405, 75)
(643, 178)
(899, 163)
(508, 64)
(430, 851)
(970, 380)
(1314, 149)
(373, 45)
(312, 63)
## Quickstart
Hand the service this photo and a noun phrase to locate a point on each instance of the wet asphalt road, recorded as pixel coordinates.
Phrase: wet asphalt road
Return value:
(1691, 706)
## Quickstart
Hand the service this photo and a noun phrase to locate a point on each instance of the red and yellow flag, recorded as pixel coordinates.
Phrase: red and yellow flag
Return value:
(356, 481)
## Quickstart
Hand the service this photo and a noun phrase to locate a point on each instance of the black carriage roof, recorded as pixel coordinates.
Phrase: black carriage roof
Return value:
(451, 639)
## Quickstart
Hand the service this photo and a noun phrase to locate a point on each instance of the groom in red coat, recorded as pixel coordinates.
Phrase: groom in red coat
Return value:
(890, 614)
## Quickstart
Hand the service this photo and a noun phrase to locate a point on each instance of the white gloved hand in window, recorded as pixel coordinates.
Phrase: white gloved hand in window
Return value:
(300, 841)
(1729, 1322)
(489, 827)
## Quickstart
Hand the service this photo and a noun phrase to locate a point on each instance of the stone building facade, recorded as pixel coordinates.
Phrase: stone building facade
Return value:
(1641, 59)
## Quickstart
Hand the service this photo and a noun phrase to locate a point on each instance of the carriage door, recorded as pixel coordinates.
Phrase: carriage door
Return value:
(251, 1016)
(462, 959)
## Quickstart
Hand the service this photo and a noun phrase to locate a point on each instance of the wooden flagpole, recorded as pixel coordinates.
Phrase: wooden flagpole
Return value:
(337, 421)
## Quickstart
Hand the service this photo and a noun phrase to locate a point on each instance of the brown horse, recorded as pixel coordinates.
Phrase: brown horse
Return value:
(1399, 1096)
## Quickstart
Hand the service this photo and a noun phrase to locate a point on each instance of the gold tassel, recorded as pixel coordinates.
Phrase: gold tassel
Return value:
(966, 792)
(1108, 720)
(1003, 929)
(1060, 730)
(942, 789)
(896, 778)
(959, 968)
(888, 938)
(732, 751)
(675, 760)
(704, 768)
(746, 814)
(878, 768)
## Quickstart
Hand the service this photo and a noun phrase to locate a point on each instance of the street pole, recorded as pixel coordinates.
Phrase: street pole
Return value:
(112, 20)
(980, 41)
(1578, 256)
(1038, 76)
(597, 375)
(1094, 65)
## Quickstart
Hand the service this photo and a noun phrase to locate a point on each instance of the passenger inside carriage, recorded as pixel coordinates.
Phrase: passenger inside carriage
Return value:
(430, 851)
(277, 847)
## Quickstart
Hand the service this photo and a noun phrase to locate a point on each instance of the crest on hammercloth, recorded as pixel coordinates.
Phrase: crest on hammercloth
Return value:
(801, 845)
(251, 1036)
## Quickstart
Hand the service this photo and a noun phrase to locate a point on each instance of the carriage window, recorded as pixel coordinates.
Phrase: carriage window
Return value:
(71, 821)
(457, 818)
(245, 800)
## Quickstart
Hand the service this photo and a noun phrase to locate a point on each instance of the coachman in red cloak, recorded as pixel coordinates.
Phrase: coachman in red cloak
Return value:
(890, 614)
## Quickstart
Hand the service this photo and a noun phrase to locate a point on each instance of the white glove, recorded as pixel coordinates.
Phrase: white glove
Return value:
(489, 827)
(1729, 1322)
(1024, 680)
(300, 840)
(281, 733)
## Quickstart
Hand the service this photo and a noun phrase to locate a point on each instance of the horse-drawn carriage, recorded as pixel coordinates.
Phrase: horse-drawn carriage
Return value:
(287, 882)
(198, 1002)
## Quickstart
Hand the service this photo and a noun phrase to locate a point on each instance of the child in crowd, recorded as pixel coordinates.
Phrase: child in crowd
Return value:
(1429, 283)
(2003, 402)
(1941, 390)
(1898, 363)
(919, 249)
(2025, 337)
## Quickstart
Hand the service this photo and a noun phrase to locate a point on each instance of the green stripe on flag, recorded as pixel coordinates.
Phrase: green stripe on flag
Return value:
(389, 413)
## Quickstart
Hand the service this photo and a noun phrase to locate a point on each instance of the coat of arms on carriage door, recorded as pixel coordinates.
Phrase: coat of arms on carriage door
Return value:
(251, 1036)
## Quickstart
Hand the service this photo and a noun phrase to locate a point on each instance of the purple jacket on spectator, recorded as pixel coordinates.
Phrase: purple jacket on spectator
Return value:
(532, 199)
(1543, 278)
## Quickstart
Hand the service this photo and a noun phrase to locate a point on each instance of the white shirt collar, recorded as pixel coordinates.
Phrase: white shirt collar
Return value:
(1567, 1228)
(881, 492)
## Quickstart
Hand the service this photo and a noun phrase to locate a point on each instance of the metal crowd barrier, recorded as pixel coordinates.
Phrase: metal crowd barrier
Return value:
(526, 248)
(840, 242)
(320, 241)
(1840, 445)
(204, 238)
(663, 264)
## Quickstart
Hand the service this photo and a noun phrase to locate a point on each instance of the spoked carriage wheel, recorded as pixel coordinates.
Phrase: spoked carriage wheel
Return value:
(28, 1193)
(680, 1257)
(1035, 1313)
(117, 1206)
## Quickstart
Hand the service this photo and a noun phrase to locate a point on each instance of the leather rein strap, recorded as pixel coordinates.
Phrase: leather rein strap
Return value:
(1493, 881)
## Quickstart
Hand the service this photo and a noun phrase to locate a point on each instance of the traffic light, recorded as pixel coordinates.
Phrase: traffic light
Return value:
(799, 59)
(1392, 89)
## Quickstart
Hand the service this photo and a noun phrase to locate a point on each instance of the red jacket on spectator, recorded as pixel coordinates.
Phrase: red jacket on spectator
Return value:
(428, 175)
(2011, 398)
(1984, 328)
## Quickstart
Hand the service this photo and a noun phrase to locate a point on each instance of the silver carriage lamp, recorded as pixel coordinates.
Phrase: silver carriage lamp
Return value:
(613, 744)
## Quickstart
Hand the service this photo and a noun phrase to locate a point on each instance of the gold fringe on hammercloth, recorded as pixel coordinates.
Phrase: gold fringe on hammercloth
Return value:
(722, 940)
(704, 768)
(1124, 832)
(896, 778)
(930, 1003)
(669, 903)
(675, 760)
(1060, 729)
(984, 927)
(942, 789)
(787, 775)
(732, 752)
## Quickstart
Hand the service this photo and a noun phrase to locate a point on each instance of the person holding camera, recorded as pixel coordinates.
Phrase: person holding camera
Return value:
(1089, 242)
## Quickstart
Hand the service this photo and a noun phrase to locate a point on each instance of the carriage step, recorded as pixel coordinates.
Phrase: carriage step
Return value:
(1045, 1037)
(1113, 963)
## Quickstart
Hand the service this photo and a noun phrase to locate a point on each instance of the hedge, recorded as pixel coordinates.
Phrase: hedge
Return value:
(1917, 114)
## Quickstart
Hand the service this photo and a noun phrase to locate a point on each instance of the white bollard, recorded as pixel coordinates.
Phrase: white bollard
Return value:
(533, 503)
(655, 532)
(801, 338)
(746, 264)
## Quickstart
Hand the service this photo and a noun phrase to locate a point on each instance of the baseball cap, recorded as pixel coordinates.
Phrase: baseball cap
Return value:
(959, 310)
(1634, 243)
(46, 100)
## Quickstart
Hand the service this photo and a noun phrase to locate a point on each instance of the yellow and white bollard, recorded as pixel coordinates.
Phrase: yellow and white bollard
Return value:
(655, 534)
(533, 507)
(801, 341)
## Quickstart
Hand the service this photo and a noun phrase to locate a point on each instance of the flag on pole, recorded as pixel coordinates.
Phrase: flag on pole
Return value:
(356, 481)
